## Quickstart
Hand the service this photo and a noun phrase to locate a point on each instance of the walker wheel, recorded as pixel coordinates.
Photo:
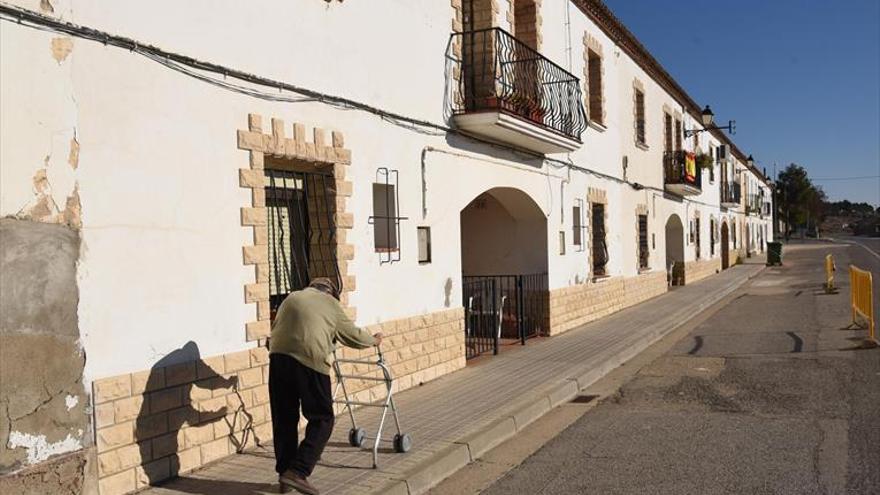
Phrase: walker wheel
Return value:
(356, 437)
(402, 443)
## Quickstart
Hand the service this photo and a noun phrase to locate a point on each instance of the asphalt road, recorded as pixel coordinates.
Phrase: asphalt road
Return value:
(769, 395)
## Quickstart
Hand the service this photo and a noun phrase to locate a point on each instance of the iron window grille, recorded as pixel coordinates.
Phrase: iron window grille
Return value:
(640, 117)
(644, 253)
(386, 215)
(600, 248)
(711, 238)
(302, 231)
(697, 236)
(579, 227)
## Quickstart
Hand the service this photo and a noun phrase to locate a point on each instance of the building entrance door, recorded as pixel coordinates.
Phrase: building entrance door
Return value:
(725, 247)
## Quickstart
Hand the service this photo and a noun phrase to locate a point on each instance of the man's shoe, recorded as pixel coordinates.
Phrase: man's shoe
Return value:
(298, 482)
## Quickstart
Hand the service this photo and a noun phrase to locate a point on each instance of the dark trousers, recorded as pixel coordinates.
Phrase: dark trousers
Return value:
(291, 386)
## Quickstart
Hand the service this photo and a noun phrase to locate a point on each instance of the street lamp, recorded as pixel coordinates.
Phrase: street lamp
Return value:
(707, 118)
(750, 161)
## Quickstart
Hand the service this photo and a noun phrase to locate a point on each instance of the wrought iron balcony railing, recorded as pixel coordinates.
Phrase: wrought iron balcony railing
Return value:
(730, 192)
(681, 173)
(497, 72)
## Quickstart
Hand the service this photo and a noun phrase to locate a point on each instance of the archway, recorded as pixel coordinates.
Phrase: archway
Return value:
(675, 250)
(725, 247)
(504, 270)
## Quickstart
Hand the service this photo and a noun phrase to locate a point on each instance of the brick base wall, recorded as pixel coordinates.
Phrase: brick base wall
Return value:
(158, 423)
(573, 306)
(700, 269)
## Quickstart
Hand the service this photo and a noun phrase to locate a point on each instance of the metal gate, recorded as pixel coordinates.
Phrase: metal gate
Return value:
(503, 307)
(302, 231)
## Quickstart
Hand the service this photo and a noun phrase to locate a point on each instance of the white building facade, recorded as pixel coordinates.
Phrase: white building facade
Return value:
(525, 160)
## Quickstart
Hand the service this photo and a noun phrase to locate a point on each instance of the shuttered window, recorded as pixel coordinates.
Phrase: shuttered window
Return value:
(643, 241)
(600, 248)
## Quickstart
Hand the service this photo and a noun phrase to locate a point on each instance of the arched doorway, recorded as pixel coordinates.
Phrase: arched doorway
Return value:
(725, 247)
(504, 270)
(675, 250)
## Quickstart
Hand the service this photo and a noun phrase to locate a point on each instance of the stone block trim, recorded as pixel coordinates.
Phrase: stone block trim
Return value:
(577, 305)
(592, 44)
(155, 424)
(597, 196)
(700, 269)
(321, 151)
(158, 423)
(418, 348)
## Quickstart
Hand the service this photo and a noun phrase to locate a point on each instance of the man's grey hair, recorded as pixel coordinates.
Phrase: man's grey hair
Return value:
(325, 285)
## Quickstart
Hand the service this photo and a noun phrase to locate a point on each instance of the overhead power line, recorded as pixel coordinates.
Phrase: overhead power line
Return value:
(197, 69)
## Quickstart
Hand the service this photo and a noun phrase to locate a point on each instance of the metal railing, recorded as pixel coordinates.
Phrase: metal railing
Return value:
(731, 192)
(677, 171)
(511, 307)
(497, 72)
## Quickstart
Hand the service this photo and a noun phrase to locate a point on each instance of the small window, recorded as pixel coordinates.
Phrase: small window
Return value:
(640, 117)
(600, 248)
(697, 236)
(384, 222)
(644, 254)
(561, 242)
(594, 71)
(424, 234)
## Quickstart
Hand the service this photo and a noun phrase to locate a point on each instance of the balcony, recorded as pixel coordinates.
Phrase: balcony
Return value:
(681, 175)
(730, 194)
(500, 89)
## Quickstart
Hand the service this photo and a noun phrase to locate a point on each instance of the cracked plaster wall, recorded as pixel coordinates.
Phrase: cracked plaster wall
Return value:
(45, 425)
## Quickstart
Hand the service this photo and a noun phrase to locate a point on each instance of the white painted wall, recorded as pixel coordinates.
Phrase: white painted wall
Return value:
(158, 164)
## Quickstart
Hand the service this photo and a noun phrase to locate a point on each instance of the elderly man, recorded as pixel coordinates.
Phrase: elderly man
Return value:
(306, 328)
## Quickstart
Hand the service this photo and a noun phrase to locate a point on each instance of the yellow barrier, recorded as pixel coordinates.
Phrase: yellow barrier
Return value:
(829, 274)
(862, 300)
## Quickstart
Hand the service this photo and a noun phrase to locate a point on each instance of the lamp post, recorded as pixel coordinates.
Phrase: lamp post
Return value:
(708, 118)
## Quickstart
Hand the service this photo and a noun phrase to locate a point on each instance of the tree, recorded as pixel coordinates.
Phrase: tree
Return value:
(798, 198)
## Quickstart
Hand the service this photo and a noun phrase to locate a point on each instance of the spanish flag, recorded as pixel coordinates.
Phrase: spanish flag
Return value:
(690, 167)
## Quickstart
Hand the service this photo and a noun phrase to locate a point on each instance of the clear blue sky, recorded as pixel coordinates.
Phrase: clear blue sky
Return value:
(800, 77)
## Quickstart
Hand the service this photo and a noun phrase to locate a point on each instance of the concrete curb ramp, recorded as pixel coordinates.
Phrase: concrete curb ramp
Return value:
(471, 447)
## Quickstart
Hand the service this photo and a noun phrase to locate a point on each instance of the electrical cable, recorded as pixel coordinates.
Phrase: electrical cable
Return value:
(185, 65)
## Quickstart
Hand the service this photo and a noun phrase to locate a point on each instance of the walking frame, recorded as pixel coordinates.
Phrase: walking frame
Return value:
(357, 436)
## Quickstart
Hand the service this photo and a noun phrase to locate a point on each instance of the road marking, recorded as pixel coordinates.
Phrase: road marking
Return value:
(875, 253)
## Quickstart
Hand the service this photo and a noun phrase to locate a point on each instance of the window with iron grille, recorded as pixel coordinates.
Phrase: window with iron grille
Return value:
(640, 117)
(643, 242)
(594, 70)
(667, 132)
(697, 236)
(600, 248)
(302, 232)
(711, 238)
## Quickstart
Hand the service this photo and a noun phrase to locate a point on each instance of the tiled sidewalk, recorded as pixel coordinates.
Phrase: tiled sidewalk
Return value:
(459, 416)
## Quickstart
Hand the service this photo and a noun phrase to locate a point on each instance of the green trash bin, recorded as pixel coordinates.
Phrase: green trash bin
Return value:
(774, 253)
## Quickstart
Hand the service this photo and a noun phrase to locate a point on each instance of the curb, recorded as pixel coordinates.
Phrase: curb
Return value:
(469, 448)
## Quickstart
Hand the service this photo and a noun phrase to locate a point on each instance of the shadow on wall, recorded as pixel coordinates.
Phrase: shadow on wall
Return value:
(160, 420)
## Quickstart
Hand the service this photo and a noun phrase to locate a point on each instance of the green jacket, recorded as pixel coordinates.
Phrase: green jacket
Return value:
(308, 324)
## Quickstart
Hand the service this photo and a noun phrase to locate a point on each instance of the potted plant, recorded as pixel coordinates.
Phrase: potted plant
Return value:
(705, 161)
